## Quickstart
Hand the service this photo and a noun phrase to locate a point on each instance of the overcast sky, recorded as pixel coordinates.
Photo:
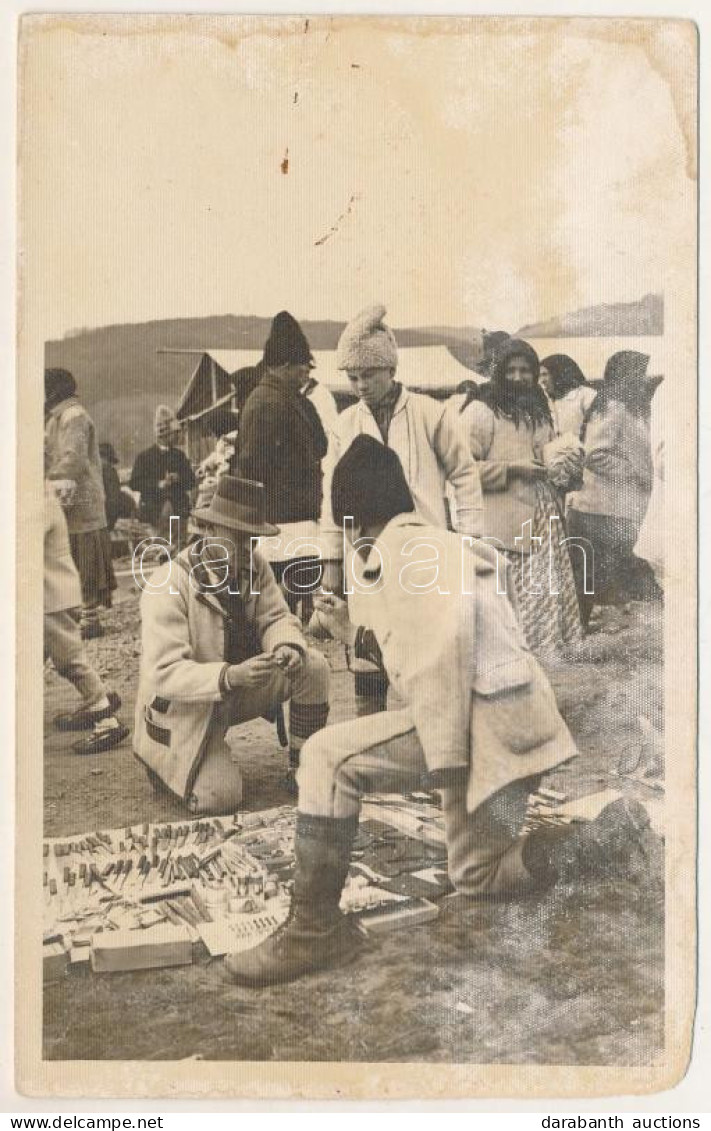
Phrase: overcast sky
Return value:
(492, 176)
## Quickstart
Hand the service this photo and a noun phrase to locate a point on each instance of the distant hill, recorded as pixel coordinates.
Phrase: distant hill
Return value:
(122, 377)
(633, 319)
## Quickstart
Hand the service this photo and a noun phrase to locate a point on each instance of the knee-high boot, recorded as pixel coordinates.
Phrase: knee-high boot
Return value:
(316, 934)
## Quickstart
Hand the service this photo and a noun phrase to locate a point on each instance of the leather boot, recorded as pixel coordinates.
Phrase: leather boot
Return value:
(602, 848)
(316, 934)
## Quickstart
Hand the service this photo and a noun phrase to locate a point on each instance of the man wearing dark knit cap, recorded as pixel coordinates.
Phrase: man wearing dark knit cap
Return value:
(281, 444)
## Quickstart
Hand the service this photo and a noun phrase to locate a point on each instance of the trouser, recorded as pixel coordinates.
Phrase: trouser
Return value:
(64, 646)
(342, 763)
(218, 785)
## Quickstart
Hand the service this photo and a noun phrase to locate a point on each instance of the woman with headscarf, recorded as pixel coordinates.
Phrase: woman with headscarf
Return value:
(509, 427)
(617, 482)
(568, 393)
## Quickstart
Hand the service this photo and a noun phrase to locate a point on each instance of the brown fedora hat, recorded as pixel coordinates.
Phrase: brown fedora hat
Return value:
(238, 504)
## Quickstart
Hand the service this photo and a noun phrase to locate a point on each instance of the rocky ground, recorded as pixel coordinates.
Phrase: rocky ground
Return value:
(573, 978)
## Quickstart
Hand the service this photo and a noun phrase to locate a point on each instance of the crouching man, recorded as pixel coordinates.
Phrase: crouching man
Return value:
(478, 723)
(220, 647)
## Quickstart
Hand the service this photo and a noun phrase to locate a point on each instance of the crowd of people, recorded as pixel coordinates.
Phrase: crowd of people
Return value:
(532, 484)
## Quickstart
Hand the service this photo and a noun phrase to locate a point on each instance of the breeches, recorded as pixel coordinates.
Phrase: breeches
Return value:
(383, 755)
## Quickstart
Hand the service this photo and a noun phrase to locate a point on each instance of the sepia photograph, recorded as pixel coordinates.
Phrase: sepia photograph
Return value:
(357, 555)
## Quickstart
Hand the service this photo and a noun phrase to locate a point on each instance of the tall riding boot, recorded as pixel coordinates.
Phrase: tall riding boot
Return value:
(316, 933)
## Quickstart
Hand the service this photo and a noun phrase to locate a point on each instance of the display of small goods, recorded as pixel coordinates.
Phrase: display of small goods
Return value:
(157, 895)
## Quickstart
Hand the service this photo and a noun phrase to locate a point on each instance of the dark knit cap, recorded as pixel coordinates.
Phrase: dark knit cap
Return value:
(286, 344)
(369, 484)
(58, 385)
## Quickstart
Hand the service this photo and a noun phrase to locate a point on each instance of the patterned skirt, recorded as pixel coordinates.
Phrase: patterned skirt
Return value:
(543, 581)
(92, 557)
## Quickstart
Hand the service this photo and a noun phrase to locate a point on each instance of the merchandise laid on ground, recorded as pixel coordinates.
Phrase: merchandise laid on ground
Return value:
(157, 895)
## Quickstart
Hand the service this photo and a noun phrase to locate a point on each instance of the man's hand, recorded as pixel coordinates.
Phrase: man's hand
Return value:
(251, 674)
(288, 658)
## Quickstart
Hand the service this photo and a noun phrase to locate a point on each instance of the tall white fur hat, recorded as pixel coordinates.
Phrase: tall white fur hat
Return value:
(367, 343)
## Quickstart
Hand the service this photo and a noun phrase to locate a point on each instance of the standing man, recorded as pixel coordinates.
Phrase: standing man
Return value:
(281, 443)
(163, 477)
(73, 464)
(219, 647)
(479, 725)
(419, 430)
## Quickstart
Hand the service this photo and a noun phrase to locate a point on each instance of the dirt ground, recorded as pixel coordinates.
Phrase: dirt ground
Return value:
(575, 977)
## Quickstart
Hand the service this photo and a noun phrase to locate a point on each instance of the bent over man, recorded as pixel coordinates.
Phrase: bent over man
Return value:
(220, 647)
(479, 724)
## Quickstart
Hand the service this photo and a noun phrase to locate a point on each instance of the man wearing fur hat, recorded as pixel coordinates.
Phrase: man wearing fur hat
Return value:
(281, 443)
(418, 429)
(219, 647)
(163, 477)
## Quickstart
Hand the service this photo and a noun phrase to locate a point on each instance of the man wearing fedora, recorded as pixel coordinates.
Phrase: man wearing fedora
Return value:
(220, 646)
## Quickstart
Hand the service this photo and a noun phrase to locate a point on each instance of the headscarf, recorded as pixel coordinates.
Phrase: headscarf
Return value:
(527, 405)
(566, 374)
(493, 342)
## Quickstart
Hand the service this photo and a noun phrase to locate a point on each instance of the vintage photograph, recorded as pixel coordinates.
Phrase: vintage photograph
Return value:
(359, 357)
